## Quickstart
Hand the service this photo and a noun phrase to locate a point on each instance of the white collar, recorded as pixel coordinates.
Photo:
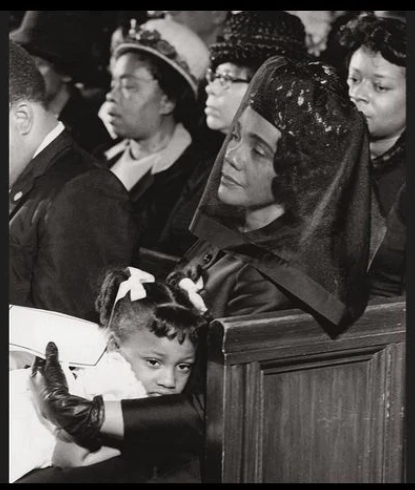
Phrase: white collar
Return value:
(180, 140)
(130, 171)
(52, 135)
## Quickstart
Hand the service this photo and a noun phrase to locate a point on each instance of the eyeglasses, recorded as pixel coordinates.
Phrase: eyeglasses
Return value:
(225, 80)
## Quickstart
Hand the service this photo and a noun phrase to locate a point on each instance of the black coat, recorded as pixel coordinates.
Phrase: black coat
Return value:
(154, 196)
(176, 237)
(231, 286)
(387, 270)
(68, 220)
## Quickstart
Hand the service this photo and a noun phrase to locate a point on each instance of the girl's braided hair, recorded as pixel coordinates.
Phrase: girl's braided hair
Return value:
(166, 311)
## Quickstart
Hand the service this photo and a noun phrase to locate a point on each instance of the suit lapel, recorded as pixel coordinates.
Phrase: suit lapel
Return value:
(37, 167)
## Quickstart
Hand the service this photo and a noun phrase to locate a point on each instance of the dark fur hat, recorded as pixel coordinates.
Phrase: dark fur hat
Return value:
(253, 36)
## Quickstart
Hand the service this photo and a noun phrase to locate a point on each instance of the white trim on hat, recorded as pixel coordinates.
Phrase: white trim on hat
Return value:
(135, 46)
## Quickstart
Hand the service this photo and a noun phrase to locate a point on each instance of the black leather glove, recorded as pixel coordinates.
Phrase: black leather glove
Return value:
(79, 417)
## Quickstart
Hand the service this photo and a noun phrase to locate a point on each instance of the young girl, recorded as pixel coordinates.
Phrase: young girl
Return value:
(153, 330)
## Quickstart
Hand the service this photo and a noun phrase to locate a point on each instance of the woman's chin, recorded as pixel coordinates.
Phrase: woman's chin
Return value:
(227, 195)
(215, 124)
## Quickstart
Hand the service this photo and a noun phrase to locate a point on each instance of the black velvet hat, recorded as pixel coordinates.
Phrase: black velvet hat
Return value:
(251, 36)
(64, 38)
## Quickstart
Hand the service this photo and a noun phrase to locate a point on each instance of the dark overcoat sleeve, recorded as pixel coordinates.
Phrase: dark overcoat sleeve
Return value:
(171, 422)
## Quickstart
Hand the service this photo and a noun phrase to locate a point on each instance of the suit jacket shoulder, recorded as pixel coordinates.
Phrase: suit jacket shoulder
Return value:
(71, 220)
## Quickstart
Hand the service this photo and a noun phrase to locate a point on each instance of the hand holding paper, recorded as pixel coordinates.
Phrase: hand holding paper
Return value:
(79, 417)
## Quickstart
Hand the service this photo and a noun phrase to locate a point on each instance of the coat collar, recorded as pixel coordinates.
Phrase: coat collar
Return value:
(394, 157)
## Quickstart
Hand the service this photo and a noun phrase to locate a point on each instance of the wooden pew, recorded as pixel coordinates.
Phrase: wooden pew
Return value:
(288, 404)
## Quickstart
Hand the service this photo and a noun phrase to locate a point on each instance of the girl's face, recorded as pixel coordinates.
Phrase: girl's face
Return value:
(163, 366)
(136, 101)
(378, 88)
(248, 168)
(225, 97)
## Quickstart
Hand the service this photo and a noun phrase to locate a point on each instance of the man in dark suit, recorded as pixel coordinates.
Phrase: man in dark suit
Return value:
(68, 218)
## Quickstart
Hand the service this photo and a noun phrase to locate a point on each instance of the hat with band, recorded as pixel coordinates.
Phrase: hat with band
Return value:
(172, 42)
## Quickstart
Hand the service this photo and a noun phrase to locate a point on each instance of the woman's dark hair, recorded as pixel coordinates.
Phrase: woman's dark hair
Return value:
(334, 54)
(175, 87)
(286, 161)
(166, 311)
(384, 35)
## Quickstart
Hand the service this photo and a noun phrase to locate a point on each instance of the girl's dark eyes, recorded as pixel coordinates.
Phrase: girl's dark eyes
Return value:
(153, 362)
(185, 367)
(182, 367)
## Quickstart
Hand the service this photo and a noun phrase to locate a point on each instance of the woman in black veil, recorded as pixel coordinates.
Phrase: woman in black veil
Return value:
(284, 223)
(287, 210)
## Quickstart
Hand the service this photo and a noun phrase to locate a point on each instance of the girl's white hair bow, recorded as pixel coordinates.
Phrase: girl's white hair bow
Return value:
(192, 290)
(134, 284)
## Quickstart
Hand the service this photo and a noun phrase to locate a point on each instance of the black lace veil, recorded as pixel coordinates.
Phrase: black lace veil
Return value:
(318, 250)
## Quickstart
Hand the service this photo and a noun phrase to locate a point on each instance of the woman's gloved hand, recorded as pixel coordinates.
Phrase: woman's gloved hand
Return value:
(79, 417)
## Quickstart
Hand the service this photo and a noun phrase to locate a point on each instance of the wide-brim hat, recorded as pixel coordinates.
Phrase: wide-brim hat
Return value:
(64, 38)
(172, 42)
(258, 35)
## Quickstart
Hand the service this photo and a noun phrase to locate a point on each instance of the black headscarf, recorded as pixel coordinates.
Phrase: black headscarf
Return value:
(318, 250)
